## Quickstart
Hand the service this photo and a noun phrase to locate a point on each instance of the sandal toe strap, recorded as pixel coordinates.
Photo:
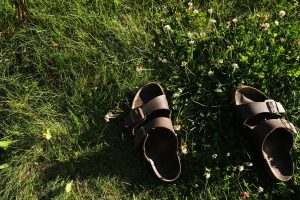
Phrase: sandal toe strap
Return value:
(139, 114)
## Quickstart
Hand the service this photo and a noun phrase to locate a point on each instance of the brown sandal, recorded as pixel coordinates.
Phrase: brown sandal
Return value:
(151, 125)
(272, 136)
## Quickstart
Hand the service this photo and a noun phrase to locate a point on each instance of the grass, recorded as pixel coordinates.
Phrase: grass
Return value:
(76, 60)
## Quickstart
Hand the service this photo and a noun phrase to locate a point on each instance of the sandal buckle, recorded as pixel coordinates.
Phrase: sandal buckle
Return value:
(271, 104)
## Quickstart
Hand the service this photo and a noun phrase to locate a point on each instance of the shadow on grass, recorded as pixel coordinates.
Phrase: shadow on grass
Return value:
(109, 153)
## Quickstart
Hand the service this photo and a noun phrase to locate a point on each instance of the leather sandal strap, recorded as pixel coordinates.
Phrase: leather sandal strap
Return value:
(139, 114)
(263, 129)
(246, 111)
(159, 122)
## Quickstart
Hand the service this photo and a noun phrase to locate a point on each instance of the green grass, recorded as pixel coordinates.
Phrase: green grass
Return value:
(69, 89)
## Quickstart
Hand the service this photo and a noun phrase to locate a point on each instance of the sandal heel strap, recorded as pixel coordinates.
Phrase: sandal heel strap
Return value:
(159, 122)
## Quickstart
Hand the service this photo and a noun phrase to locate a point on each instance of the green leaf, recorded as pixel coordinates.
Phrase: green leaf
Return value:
(5, 144)
(218, 90)
(243, 58)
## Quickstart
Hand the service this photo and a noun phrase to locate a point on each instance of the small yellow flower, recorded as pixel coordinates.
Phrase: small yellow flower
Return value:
(68, 187)
(47, 134)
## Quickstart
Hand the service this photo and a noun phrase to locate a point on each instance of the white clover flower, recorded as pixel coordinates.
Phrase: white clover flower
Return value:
(228, 24)
(139, 69)
(276, 23)
(167, 27)
(260, 189)
(210, 73)
(241, 168)
(249, 164)
(210, 11)
(235, 66)
(230, 46)
(162, 20)
(207, 175)
(234, 20)
(108, 116)
(281, 13)
(245, 195)
(191, 42)
(214, 156)
(202, 34)
(184, 149)
(195, 11)
(221, 61)
(177, 127)
(183, 64)
(298, 58)
(190, 5)
(213, 21)
(264, 26)
(164, 60)
(228, 154)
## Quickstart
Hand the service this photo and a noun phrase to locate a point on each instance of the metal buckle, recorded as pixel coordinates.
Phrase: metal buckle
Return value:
(271, 104)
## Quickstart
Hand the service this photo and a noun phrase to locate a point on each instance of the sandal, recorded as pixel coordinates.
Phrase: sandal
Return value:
(151, 125)
(272, 136)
